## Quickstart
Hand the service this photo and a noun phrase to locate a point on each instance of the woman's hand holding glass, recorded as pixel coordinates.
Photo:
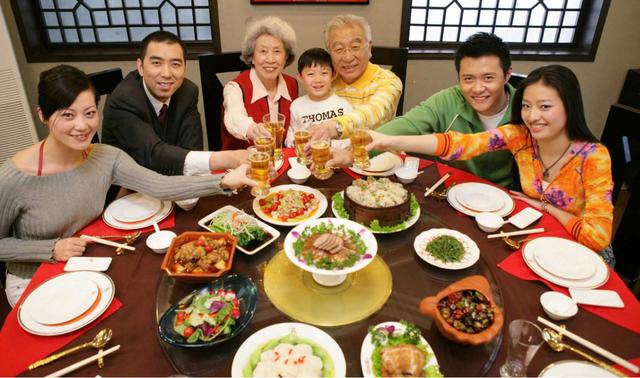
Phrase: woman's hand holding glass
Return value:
(237, 178)
(69, 247)
(257, 130)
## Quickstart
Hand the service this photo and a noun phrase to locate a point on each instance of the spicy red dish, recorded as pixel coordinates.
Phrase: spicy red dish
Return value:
(289, 205)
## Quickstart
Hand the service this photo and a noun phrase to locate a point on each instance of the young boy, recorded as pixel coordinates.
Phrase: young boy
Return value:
(320, 103)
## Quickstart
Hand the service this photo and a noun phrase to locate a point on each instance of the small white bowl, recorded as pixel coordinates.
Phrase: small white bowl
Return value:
(406, 175)
(489, 222)
(160, 241)
(299, 175)
(558, 306)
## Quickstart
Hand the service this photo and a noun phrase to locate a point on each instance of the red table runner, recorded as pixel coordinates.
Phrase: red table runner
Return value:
(627, 317)
(18, 348)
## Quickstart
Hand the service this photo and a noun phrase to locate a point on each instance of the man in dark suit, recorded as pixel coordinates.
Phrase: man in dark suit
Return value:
(153, 116)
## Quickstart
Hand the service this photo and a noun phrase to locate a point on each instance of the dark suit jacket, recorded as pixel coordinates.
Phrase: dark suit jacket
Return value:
(130, 123)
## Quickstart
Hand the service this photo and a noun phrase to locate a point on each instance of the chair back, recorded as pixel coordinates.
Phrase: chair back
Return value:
(621, 136)
(105, 82)
(396, 58)
(516, 78)
(210, 66)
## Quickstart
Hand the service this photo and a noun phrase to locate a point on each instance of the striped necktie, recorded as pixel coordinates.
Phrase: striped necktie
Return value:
(162, 116)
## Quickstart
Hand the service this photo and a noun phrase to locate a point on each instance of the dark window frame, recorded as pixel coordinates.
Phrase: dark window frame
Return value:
(38, 49)
(588, 33)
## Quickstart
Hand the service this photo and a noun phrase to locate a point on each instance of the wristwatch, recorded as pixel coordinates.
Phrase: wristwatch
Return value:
(339, 129)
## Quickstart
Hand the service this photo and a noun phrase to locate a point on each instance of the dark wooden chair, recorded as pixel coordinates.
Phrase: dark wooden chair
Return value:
(210, 66)
(105, 82)
(396, 58)
(621, 135)
(516, 78)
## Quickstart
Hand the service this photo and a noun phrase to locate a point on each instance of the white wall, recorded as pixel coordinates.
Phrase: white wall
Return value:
(601, 80)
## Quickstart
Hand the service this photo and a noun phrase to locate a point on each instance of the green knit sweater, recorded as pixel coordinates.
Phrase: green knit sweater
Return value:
(448, 110)
(35, 211)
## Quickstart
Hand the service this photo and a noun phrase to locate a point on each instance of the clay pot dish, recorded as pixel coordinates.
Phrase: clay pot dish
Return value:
(429, 307)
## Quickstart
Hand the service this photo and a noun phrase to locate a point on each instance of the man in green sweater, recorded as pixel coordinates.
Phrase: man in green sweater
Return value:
(481, 101)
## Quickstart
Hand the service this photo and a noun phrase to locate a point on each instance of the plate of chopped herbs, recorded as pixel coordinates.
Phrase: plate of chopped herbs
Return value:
(447, 249)
(393, 349)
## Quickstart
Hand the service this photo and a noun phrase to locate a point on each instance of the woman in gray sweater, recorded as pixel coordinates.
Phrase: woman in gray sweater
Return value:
(54, 188)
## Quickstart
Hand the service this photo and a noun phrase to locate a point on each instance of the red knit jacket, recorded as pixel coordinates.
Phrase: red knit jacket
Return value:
(257, 109)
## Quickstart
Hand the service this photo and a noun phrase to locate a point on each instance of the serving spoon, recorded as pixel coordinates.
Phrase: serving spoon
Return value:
(554, 340)
(99, 341)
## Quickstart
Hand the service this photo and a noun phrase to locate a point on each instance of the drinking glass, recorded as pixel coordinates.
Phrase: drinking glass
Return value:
(275, 125)
(302, 137)
(267, 145)
(259, 171)
(524, 340)
(320, 154)
(359, 139)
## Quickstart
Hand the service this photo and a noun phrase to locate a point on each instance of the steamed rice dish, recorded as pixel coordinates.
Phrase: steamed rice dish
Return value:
(287, 360)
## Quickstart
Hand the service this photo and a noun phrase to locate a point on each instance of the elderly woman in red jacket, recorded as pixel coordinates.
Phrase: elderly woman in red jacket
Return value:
(268, 47)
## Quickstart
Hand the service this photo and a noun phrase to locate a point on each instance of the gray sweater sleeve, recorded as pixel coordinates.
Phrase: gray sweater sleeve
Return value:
(127, 173)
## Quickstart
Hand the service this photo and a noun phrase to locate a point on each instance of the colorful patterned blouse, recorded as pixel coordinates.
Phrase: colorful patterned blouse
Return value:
(583, 186)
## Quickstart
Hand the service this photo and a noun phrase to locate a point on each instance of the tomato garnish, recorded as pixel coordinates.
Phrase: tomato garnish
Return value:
(188, 332)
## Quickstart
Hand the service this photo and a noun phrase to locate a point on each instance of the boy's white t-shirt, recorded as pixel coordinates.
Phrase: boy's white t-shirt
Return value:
(306, 112)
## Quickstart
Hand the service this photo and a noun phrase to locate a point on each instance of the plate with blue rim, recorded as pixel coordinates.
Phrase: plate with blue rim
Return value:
(246, 293)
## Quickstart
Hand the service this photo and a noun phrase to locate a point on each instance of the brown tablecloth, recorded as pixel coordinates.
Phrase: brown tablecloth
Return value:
(136, 276)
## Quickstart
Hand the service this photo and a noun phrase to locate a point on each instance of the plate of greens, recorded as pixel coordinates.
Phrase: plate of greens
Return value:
(447, 249)
(393, 349)
(210, 314)
(252, 234)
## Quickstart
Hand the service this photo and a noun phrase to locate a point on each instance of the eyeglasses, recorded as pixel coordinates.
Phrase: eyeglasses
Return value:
(355, 49)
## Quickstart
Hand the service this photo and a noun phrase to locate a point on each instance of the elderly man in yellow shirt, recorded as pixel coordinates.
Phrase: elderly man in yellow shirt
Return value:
(373, 91)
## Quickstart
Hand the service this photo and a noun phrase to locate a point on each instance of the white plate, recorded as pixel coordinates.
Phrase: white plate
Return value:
(96, 264)
(394, 160)
(107, 217)
(62, 299)
(598, 279)
(479, 199)
(472, 252)
(322, 206)
(278, 164)
(569, 263)
(506, 209)
(277, 331)
(570, 368)
(134, 208)
(107, 292)
(274, 233)
(408, 223)
(367, 237)
(368, 347)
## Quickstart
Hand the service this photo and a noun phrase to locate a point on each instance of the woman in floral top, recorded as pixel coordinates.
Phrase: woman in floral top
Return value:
(563, 169)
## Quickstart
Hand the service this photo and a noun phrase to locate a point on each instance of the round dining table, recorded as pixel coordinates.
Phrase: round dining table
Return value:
(146, 292)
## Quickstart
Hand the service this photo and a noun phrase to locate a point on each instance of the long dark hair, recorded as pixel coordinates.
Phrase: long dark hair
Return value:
(565, 82)
(60, 86)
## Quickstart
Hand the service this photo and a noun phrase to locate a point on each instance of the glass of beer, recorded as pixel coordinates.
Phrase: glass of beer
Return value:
(359, 139)
(259, 171)
(320, 154)
(267, 145)
(275, 125)
(301, 139)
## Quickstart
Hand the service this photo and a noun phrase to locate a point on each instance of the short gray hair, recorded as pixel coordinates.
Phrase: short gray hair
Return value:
(273, 26)
(345, 20)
